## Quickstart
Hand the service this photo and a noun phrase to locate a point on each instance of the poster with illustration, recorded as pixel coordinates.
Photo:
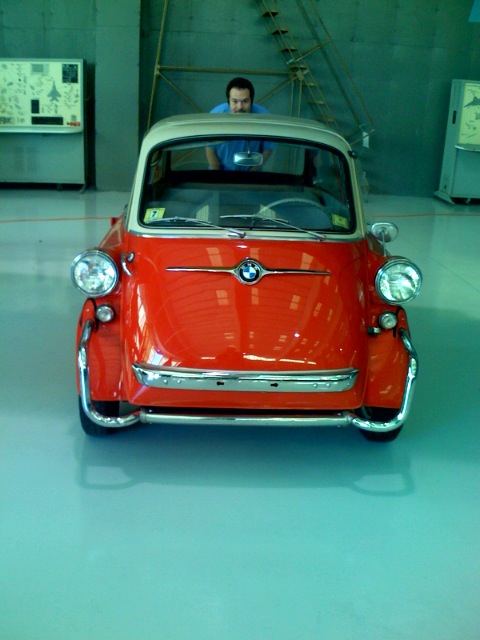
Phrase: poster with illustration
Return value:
(469, 130)
(41, 95)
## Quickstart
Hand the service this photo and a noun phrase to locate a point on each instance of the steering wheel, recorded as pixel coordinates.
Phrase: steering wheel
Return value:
(276, 203)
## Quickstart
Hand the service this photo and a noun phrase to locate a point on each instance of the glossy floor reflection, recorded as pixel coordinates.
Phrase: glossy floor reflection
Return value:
(169, 533)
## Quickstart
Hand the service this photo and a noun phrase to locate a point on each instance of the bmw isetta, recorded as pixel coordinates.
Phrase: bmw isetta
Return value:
(251, 295)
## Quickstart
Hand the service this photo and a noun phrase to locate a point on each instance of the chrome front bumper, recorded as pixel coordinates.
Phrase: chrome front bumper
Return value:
(266, 382)
(288, 382)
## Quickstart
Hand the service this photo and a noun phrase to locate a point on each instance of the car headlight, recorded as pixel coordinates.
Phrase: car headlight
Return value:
(94, 273)
(398, 281)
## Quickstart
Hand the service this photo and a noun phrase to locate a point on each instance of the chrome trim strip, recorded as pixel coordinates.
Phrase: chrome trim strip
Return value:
(125, 260)
(340, 419)
(244, 381)
(262, 271)
(281, 236)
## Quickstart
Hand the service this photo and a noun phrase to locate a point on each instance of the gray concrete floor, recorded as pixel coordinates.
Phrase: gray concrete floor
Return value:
(211, 534)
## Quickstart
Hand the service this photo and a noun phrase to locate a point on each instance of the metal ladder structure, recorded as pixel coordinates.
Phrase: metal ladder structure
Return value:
(299, 70)
(360, 125)
(353, 122)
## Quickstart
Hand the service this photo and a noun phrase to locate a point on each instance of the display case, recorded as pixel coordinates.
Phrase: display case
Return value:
(460, 177)
(42, 121)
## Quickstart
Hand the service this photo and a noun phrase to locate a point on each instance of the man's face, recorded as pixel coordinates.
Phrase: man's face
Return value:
(239, 100)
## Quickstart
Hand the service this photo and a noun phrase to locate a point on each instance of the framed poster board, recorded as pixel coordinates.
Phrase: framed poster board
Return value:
(469, 129)
(41, 95)
(42, 121)
(460, 175)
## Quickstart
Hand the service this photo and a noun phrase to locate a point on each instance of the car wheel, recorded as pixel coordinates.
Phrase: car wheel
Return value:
(379, 414)
(107, 408)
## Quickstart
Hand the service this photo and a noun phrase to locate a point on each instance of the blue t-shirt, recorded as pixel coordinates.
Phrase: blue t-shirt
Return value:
(226, 151)
(224, 108)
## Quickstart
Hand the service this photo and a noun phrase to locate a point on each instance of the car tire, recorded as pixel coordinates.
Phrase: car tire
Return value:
(381, 436)
(107, 408)
(379, 414)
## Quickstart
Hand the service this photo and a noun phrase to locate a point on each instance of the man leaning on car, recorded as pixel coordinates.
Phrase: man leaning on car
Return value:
(240, 95)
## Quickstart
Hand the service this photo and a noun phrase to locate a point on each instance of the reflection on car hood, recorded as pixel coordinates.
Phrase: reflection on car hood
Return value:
(191, 304)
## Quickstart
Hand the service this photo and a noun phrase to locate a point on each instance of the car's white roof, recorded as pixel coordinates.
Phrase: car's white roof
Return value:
(210, 124)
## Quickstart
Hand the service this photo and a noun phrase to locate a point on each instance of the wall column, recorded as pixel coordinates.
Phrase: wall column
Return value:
(116, 93)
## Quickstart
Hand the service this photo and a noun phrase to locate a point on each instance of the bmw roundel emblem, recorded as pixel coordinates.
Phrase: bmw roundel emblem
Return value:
(249, 271)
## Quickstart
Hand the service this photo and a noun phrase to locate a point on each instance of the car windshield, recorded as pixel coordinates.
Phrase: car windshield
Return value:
(249, 184)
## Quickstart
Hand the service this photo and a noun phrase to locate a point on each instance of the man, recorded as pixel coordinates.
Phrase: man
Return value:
(240, 95)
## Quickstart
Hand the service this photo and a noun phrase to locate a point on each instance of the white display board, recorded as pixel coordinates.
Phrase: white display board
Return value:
(41, 96)
(460, 176)
(40, 99)
(469, 130)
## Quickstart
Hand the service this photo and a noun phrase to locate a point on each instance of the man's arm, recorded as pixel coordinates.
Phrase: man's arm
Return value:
(212, 159)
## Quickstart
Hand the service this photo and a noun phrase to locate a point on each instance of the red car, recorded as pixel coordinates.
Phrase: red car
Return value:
(248, 295)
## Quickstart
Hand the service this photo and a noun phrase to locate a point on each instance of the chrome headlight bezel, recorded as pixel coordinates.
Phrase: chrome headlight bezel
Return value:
(107, 273)
(398, 281)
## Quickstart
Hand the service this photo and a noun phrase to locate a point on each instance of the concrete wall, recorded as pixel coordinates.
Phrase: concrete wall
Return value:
(106, 35)
(402, 55)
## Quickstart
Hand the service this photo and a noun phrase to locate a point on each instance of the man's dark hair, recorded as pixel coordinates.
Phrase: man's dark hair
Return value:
(240, 83)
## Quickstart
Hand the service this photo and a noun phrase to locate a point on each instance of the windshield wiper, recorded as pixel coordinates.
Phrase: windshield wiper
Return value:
(193, 221)
(257, 218)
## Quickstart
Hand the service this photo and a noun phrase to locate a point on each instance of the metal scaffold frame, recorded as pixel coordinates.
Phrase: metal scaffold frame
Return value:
(299, 74)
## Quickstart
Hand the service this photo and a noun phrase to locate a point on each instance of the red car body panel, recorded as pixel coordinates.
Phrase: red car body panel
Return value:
(287, 322)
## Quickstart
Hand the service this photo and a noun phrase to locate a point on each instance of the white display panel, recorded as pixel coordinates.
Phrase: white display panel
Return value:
(461, 157)
(469, 131)
(41, 96)
(40, 100)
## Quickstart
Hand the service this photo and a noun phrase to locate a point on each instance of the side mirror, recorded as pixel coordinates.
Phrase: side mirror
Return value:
(384, 232)
(248, 159)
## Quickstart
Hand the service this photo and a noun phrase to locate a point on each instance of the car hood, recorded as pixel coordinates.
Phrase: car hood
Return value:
(186, 305)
